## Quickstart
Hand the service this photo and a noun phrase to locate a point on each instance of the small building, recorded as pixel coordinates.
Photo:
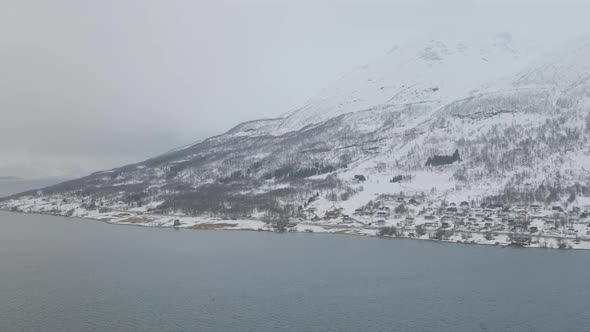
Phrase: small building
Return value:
(500, 227)
(360, 178)
(331, 215)
(430, 225)
(382, 214)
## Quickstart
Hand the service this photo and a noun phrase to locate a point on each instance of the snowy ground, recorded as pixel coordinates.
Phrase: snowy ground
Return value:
(356, 225)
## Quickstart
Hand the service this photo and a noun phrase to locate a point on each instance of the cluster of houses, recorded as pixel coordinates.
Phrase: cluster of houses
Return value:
(410, 213)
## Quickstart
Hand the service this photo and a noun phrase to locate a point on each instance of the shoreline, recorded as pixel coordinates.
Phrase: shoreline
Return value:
(327, 229)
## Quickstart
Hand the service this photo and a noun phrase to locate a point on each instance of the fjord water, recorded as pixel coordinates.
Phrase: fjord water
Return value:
(71, 274)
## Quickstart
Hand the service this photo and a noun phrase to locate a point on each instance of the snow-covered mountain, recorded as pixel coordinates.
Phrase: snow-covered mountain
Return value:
(433, 72)
(418, 72)
(518, 121)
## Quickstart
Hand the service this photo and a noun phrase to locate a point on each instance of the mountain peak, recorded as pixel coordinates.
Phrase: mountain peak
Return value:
(432, 70)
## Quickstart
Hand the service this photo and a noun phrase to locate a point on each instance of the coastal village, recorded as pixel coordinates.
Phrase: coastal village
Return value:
(411, 217)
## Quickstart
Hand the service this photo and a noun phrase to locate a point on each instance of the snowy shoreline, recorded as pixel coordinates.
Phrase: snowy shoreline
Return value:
(222, 224)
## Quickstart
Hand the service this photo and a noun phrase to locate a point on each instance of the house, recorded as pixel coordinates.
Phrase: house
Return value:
(570, 231)
(536, 208)
(496, 206)
(360, 178)
(500, 228)
(520, 240)
(382, 214)
(557, 208)
(445, 225)
(533, 229)
(331, 214)
(464, 204)
(430, 225)
(413, 201)
(452, 209)
(459, 221)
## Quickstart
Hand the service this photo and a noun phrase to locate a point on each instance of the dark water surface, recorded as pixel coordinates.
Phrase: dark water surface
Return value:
(75, 275)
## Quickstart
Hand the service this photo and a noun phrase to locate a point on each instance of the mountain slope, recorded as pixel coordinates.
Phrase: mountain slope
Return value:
(435, 71)
(521, 133)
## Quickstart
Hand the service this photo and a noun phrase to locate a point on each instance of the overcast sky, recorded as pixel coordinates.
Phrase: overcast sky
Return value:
(88, 85)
